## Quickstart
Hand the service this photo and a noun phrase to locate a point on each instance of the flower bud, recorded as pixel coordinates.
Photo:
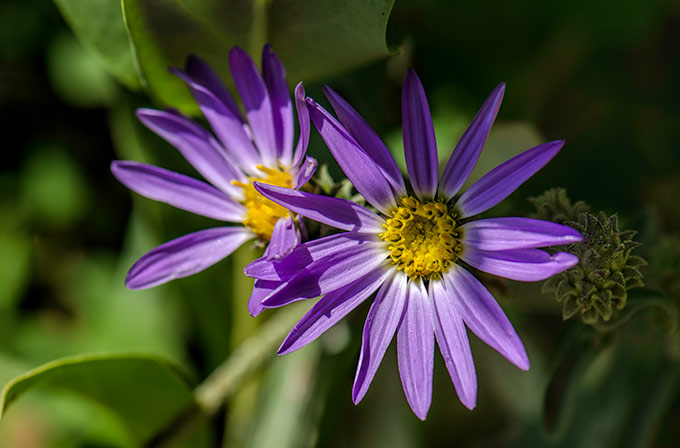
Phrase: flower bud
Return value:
(597, 286)
(554, 205)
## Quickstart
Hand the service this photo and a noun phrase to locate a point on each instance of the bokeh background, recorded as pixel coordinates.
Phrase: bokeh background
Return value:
(603, 75)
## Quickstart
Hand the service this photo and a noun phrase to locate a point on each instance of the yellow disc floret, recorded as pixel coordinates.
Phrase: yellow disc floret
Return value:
(262, 213)
(423, 238)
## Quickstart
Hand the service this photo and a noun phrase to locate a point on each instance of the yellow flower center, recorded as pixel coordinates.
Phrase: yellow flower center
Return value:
(423, 237)
(262, 213)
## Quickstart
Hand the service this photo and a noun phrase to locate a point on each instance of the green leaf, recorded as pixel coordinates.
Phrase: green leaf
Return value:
(164, 33)
(11, 367)
(313, 39)
(145, 393)
(99, 26)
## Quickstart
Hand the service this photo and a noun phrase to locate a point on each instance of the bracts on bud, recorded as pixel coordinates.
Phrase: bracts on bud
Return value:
(597, 286)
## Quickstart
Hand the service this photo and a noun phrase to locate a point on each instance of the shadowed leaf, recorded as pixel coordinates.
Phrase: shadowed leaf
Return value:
(99, 26)
(313, 39)
(145, 393)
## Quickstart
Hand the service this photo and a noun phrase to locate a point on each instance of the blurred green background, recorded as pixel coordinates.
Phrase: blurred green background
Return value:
(603, 75)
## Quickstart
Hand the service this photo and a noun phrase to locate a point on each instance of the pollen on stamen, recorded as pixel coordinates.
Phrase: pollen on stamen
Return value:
(262, 213)
(423, 238)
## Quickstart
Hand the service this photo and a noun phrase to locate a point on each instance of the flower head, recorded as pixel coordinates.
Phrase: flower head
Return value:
(410, 252)
(597, 287)
(241, 152)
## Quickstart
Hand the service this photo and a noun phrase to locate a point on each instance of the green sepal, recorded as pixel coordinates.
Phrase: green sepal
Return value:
(589, 316)
(597, 286)
(554, 205)
(569, 307)
(635, 283)
(564, 289)
(551, 284)
(635, 262)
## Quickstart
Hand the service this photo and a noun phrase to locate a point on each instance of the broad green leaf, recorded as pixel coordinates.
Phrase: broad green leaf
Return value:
(11, 367)
(61, 419)
(313, 39)
(99, 26)
(145, 393)
(165, 32)
(318, 38)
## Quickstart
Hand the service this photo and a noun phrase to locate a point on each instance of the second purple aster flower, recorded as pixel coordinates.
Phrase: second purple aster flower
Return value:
(239, 153)
(410, 252)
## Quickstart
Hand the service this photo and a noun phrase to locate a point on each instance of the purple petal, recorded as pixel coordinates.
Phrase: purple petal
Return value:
(381, 323)
(197, 146)
(484, 316)
(282, 108)
(454, 344)
(221, 111)
(467, 151)
(200, 73)
(261, 289)
(415, 349)
(303, 255)
(335, 212)
(304, 172)
(185, 256)
(303, 119)
(177, 190)
(367, 139)
(498, 183)
(331, 309)
(357, 165)
(328, 274)
(256, 101)
(516, 233)
(284, 239)
(420, 146)
(526, 265)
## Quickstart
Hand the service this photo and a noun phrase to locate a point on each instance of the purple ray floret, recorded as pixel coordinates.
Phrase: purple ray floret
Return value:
(409, 253)
(237, 152)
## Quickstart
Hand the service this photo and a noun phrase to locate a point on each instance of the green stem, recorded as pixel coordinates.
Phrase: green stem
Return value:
(247, 358)
(227, 378)
(259, 30)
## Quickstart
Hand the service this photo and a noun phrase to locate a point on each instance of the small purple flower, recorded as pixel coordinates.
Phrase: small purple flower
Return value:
(410, 252)
(240, 153)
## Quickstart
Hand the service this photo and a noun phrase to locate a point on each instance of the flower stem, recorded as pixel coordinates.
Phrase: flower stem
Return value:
(247, 358)
(254, 353)
(259, 36)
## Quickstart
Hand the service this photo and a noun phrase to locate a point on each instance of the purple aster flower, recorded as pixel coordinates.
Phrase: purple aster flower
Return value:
(410, 251)
(239, 153)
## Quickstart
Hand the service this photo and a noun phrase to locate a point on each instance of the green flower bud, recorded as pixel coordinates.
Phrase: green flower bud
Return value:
(554, 205)
(596, 287)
